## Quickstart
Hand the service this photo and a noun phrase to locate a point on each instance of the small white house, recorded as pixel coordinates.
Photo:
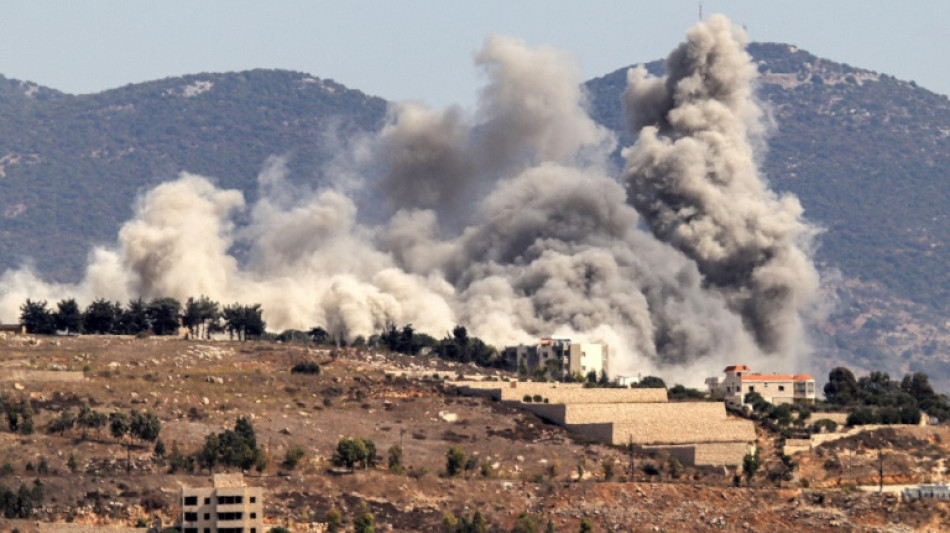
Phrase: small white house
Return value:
(774, 388)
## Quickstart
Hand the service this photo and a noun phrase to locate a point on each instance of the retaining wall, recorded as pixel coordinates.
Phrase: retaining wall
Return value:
(838, 418)
(695, 413)
(699, 433)
(84, 528)
(793, 446)
(569, 393)
(658, 430)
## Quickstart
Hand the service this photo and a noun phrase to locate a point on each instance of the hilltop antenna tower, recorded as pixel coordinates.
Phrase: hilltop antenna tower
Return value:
(700, 11)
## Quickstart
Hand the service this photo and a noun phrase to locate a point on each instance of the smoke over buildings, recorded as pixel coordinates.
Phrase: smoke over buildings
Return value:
(692, 175)
(508, 221)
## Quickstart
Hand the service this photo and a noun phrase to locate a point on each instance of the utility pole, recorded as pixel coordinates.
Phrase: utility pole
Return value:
(880, 470)
(851, 465)
(630, 451)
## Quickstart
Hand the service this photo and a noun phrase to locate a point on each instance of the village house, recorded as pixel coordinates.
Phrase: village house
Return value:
(560, 357)
(226, 507)
(774, 388)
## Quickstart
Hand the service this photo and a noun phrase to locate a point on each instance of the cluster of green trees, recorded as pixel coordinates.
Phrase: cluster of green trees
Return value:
(355, 452)
(876, 398)
(306, 367)
(18, 415)
(788, 418)
(229, 448)
(161, 316)
(458, 463)
(476, 524)
(141, 425)
(22, 502)
(457, 346)
(465, 349)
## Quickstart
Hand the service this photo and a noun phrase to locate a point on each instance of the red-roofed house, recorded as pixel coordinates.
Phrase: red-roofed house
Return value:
(774, 388)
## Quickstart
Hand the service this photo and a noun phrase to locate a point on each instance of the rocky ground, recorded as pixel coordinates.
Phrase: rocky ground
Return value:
(201, 387)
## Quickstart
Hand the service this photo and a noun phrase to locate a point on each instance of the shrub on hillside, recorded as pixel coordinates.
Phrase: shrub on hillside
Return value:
(308, 367)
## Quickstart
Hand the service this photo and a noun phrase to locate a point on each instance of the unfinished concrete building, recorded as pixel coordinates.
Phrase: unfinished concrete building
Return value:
(560, 357)
(226, 507)
(698, 433)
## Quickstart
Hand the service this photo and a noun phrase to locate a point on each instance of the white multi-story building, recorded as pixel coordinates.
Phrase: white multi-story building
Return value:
(561, 357)
(227, 507)
(774, 388)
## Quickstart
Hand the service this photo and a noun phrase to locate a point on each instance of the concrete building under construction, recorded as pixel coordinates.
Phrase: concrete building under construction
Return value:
(560, 357)
(228, 506)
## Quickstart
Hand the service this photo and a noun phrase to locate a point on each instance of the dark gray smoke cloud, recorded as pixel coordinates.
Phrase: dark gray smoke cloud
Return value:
(692, 175)
(509, 222)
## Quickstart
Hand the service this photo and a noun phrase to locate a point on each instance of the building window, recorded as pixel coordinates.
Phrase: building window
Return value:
(207, 516)
(253, 499)
(230, 516)
(207, 501)
(191, 530)
(253, 515)
(781, 387)
(228, 500)
(191, 517)
(751, 388)
(207, 530)
(191, 500)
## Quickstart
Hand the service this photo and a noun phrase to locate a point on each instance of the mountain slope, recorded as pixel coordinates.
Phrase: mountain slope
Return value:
(869, 157)
(70, 166)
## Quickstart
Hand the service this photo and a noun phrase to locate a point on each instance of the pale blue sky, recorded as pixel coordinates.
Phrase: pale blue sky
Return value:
(422, 49)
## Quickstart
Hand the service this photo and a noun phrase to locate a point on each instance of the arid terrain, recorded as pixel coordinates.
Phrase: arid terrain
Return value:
(197, 388)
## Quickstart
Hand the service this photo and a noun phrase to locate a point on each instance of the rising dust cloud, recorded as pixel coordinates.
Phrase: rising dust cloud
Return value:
(511, 221)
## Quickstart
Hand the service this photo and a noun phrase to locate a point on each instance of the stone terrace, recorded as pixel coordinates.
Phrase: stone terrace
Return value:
(696, 432)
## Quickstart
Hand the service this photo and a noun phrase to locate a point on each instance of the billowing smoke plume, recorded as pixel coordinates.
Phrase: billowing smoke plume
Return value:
(507, 222)
(692, 175)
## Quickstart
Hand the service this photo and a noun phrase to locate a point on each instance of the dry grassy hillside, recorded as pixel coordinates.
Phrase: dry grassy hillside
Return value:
(199, 388)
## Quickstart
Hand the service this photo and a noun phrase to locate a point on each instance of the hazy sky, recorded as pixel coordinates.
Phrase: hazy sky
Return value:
(422, 49)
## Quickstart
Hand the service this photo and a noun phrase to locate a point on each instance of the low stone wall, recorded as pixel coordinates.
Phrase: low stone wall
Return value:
(594, 395)
(552, 412)
(694, 413)
(509, 390)
(793, 446)
(685, 453)
(722, 453)
(837, 418)
(23, 374)
(821, 438)
(568, 393)
(83, 528)
(657, 430)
